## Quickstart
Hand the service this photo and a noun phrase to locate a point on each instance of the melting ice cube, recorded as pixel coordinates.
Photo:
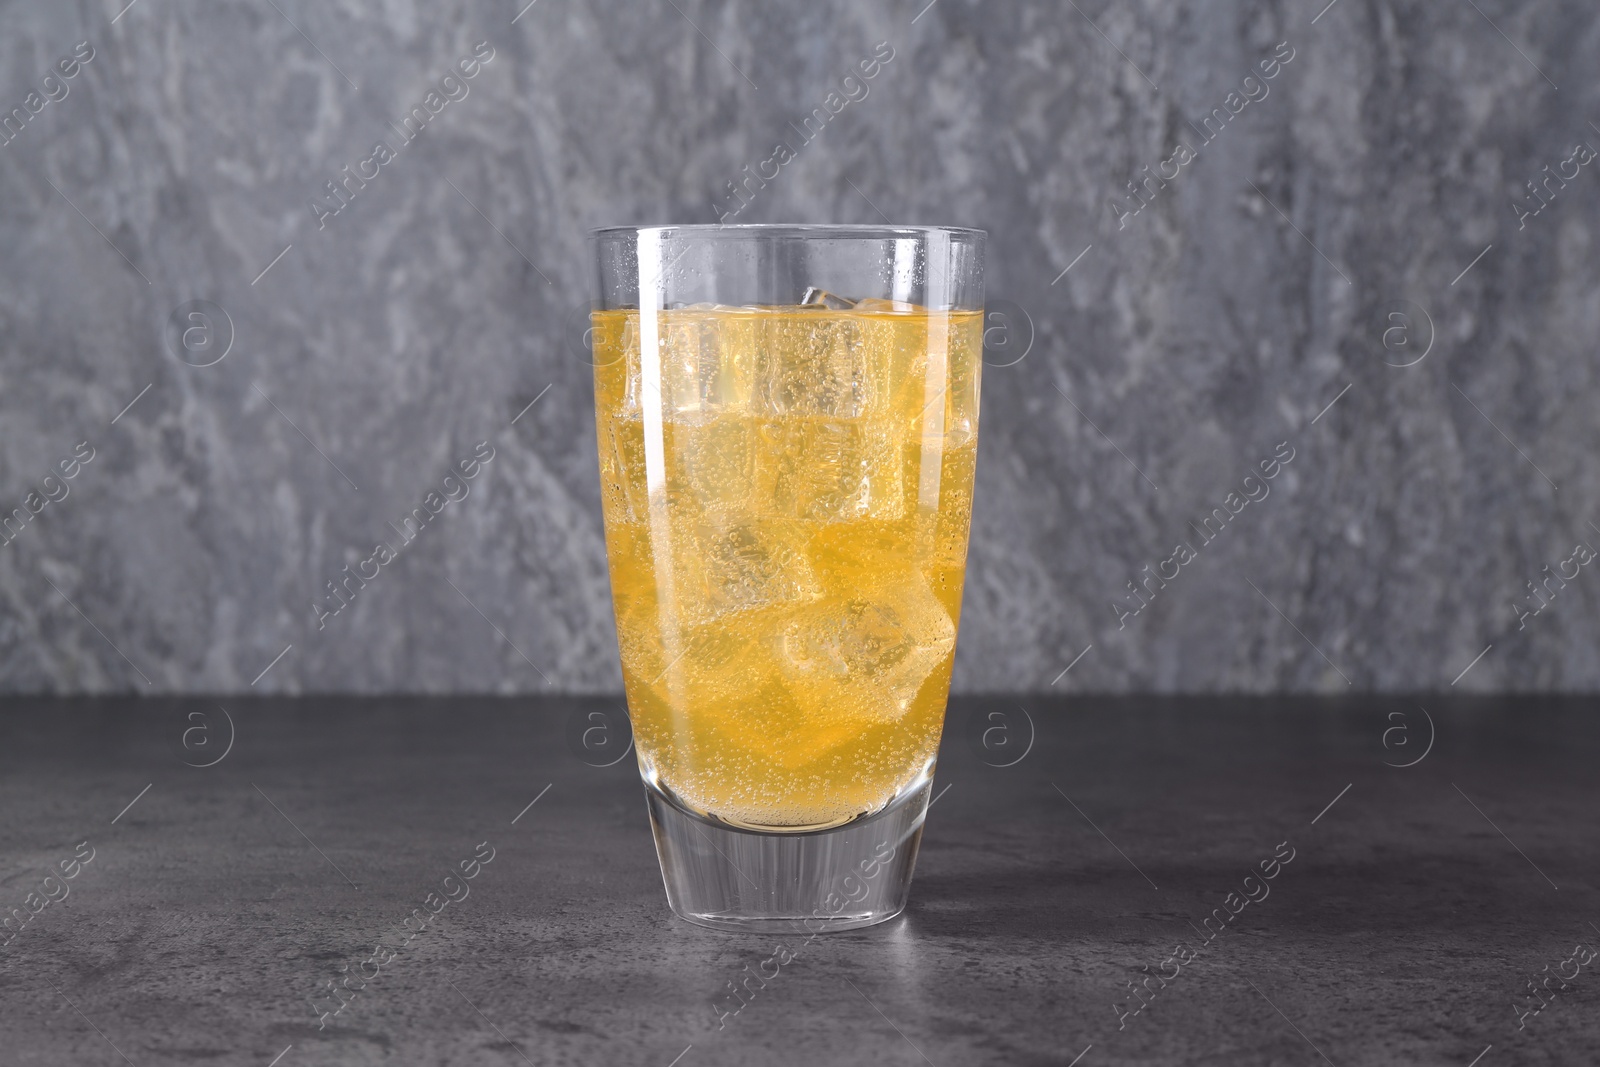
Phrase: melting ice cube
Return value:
(872, 653)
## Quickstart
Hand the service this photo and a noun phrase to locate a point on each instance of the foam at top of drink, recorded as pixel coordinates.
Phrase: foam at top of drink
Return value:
(867, 306)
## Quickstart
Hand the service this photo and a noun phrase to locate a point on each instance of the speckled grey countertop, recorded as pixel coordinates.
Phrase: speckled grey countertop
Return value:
(1418, 902)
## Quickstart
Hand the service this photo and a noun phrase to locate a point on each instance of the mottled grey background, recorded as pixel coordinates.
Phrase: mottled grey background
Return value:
(1178, 351)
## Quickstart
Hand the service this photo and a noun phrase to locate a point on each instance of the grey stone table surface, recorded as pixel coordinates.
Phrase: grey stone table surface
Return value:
(1074, 843)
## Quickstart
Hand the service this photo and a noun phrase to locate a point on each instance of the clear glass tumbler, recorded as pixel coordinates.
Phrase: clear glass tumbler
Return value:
(788, 428)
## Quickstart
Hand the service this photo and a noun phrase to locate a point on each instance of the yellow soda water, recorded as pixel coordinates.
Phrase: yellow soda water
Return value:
(787, 495)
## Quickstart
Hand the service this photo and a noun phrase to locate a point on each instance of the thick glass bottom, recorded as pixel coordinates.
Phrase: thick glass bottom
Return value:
(731, 878)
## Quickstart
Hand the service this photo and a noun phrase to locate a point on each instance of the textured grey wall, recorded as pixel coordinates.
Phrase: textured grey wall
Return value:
(1188, 341)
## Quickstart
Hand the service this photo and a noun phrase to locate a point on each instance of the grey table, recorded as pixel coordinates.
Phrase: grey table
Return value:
(221, 902)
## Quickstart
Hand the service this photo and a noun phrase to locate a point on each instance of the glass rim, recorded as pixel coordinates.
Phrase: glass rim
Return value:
(780, 229)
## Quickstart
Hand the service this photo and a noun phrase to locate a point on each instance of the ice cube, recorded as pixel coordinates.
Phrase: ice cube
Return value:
(886, 307)
(622, 467)
(639, 634)
(965, 371)
(955, 507)
(728, 561)
(820, 363)
(727, 673)
(784, 732)
(639, 640)
(833, 470)
(707, 360)
(868, 655)
(815, 297)
(713, 463)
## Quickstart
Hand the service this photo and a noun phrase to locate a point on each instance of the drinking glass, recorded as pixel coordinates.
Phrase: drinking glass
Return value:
(788, 426)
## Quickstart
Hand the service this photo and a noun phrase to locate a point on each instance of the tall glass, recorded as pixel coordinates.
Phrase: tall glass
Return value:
(788, 428)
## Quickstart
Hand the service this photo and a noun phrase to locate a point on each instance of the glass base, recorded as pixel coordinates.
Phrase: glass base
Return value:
(731, 878)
